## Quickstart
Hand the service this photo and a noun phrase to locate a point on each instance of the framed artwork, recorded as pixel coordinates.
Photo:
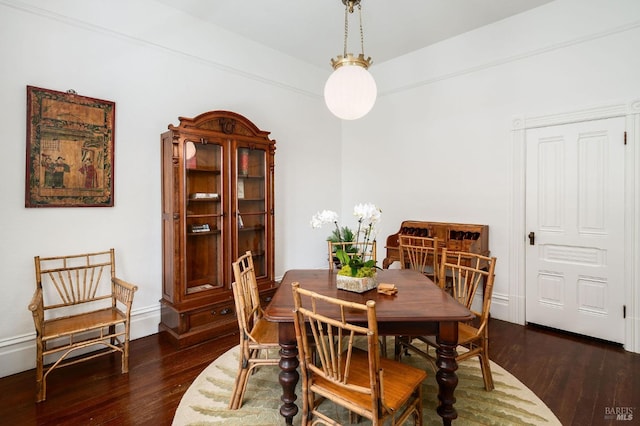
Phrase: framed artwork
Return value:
(70, 150)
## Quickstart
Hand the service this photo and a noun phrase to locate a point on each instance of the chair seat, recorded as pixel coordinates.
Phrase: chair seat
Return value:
(400, 380)
(65, 326)
(466, 333)
(265, 332)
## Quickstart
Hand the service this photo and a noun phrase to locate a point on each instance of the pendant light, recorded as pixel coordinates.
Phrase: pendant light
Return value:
(350, 91)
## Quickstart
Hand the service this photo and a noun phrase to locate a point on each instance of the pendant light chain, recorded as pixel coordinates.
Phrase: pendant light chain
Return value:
(346, 28)
(361, 31)
(349, 9)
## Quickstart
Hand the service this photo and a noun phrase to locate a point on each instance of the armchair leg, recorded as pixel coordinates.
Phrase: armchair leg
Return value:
(486, 366)
(41, 385)
(486, 373)
(41, 390)
(239, 387)
(125, 357)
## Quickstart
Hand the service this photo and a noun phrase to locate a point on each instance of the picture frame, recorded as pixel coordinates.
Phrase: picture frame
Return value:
(70, 150)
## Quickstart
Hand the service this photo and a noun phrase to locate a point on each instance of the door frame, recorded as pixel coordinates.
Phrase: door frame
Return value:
(517, 213)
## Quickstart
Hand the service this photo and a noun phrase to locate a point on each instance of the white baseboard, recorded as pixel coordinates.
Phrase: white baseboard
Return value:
(18, 353)
(500, 307)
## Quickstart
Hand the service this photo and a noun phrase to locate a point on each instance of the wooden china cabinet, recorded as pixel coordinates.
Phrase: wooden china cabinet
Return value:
(217, 203)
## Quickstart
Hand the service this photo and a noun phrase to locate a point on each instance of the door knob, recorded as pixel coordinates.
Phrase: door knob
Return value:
(532, 238)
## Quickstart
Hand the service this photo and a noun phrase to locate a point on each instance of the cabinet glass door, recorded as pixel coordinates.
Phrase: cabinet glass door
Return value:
(252, 207)
(204, 213)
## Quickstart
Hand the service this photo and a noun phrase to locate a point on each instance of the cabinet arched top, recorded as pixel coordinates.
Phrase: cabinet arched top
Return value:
(225, 122)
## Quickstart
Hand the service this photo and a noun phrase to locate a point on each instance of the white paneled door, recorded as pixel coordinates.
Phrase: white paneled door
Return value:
(575, 226)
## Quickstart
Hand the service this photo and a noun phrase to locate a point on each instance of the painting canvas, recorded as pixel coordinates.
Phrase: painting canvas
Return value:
(70, 150)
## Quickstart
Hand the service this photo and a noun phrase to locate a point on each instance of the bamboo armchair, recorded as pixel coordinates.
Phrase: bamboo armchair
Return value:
(467, 273)
(334, 369)
(258, 337)
(352, 248)
(79, 303)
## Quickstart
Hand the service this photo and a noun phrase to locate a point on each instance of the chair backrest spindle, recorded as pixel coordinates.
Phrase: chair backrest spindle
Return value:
(465, 273)
(420, 254)
(76, 279)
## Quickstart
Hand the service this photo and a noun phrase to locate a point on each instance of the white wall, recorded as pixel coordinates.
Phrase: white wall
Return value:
(437, 145)
(439, 140)
(155, 65)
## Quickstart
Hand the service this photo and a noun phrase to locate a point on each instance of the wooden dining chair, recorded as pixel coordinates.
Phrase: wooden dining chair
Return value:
(352, 248)
(421, 254)
(468, 272)
(334, 368)
(258, 337)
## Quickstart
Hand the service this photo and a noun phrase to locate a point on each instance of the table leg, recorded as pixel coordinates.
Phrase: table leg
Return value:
(446, 376)
(289, 375)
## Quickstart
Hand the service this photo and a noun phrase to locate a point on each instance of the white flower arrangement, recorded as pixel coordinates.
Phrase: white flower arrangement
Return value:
(368, 216)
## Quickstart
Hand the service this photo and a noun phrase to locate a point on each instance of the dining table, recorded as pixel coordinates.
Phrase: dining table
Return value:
(418, 308)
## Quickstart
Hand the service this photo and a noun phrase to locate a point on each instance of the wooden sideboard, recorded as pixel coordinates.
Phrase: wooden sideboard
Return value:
(454, 236)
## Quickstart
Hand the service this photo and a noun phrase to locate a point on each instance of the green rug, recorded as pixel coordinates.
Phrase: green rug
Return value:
(510, 403)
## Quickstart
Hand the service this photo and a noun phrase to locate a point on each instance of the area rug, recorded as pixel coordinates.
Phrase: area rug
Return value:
(510, 403)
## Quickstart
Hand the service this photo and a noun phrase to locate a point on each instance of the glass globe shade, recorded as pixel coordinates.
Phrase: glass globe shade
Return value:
(350, 92)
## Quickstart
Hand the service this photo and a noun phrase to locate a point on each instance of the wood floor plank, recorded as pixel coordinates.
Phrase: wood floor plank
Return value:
(578, 378)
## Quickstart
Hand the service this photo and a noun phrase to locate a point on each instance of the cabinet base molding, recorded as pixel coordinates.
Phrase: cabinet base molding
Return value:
(194, 337)
(186, 327)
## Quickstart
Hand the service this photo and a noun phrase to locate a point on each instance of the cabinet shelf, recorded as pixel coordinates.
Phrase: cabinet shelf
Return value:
(203, 170)
(251, 228)
(204, 200)
(200, 288)
(202, 234)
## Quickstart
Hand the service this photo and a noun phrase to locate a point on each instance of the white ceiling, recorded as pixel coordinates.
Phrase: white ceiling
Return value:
(313, 30)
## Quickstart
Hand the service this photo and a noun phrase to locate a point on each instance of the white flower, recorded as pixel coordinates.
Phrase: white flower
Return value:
(367, 212)
(323, 217)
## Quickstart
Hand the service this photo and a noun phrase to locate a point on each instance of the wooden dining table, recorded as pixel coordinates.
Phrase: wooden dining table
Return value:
(419, 308)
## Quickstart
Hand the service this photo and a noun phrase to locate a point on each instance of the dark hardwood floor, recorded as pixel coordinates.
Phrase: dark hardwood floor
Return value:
(578, 378)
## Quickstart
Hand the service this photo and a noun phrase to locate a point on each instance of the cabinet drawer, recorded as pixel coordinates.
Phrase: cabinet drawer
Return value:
(454, 245)
(217, 313)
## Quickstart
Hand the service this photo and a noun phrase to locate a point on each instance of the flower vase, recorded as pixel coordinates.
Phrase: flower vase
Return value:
(355, 284)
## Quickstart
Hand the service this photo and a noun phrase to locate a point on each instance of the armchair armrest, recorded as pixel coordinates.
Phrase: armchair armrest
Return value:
(124, 291)
(37, 310)
(36, 301)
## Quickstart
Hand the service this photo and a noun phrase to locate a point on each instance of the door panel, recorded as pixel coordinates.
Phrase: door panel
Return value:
(575, 207)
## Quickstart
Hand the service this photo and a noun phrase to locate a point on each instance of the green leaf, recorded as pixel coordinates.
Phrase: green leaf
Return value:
(370, 263)
(342, 256)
